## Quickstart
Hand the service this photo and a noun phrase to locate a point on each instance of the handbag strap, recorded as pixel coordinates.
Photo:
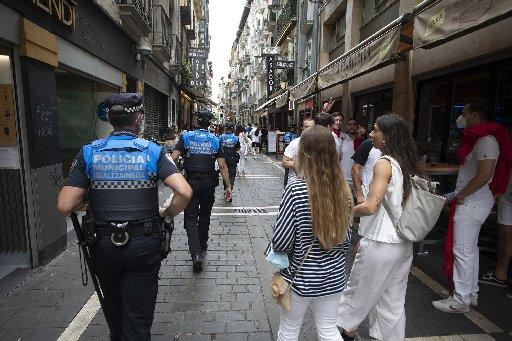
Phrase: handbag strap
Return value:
(388, 210)
(303, 259)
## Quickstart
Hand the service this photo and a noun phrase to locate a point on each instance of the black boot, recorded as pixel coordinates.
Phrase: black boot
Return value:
(197, 263)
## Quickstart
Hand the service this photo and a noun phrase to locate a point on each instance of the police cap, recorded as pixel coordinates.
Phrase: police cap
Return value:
(132, 102)
(204, 115)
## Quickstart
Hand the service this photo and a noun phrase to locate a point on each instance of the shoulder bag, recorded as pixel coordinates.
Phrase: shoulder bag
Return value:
(420, 212)
(281, 288)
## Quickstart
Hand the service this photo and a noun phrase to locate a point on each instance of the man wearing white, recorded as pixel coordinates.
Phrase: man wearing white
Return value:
(290, 152)
(362, 169)
(474, 201)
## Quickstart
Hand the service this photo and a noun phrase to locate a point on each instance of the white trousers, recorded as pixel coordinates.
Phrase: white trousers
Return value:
(325, 310)
(377, 287)
(467, 222)
(241, 162)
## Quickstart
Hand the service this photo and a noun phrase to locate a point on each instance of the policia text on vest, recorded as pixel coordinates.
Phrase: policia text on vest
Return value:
(119, 176)
(200, 149)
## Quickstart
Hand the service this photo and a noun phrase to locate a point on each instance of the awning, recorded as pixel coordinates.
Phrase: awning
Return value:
(304, 88)
(439, 21)
(375, 52)
(282, 100)
(193, 93)
(266, 104)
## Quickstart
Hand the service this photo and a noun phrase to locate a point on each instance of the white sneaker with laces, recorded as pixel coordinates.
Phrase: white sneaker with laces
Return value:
(450, 305)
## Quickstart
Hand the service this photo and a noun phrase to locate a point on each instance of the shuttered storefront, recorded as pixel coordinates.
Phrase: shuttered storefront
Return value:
(156, 112)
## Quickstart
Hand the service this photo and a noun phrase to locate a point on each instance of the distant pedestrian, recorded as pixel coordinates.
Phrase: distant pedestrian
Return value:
(378, 281)
(313, 229)
(245, 144)
(256, 140)
(230, 147)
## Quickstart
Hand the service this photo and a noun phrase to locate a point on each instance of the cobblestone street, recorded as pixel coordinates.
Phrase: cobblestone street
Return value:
(230, 299)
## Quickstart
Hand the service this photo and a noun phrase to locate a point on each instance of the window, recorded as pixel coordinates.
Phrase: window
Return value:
(338, 32)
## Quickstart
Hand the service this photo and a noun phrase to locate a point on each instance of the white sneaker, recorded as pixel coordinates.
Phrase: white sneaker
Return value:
(450, 305)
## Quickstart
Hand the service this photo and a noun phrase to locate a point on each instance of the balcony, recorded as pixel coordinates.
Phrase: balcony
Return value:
(135, 17)
(306, 17)
(175, 66)
(285, 22)
(162, 48)
(186, 12)
(190, 33)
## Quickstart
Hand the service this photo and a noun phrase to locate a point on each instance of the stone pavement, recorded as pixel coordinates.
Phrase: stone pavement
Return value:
(230, 299)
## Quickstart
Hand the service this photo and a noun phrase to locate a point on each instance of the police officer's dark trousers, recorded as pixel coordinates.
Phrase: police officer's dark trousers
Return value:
(128, 277)
(198, 211)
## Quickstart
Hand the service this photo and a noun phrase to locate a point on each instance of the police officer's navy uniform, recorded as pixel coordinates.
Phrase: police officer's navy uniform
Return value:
(230, 145)
(121, 173)
(200, 149)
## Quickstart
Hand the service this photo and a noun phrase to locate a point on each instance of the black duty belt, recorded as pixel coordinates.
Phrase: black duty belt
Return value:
(120, 232)
(199, 175)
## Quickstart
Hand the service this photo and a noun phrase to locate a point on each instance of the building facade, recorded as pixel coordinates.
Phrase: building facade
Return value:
(371, 58)
(58, 61)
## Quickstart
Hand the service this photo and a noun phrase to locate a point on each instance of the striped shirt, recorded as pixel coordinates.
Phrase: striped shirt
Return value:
(323, 272)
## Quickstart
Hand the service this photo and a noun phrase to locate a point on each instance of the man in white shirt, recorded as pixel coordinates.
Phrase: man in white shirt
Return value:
(474, 203)
(362, 169)
(290, 152)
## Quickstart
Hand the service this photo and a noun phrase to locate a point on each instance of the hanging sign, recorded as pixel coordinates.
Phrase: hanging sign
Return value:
(285, 64)
(271, 76)
(197, 52)
(62, 10)
(8, 134)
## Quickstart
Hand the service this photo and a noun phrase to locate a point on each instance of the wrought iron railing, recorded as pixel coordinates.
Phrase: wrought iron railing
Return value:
(162, 28)
(177, 51)
(143, 7)
(287, 15)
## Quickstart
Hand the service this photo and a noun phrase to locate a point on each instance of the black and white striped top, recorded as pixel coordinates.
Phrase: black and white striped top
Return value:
(323, 272)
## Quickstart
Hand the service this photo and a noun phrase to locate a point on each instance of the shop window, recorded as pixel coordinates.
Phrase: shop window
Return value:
(465, 88)
(369, 107)
(504, 99)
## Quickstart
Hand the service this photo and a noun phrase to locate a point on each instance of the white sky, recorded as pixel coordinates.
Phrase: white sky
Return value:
(225, 17)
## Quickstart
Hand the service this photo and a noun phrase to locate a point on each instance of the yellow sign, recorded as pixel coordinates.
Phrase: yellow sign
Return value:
(7, 120)
(62, 10)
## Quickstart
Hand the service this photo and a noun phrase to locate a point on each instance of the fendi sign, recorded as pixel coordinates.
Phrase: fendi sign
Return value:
(62, 10)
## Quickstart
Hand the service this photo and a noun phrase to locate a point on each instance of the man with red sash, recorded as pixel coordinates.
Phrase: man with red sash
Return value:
(485, 156)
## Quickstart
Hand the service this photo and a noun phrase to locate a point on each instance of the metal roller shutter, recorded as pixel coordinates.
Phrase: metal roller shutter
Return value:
(152, 99)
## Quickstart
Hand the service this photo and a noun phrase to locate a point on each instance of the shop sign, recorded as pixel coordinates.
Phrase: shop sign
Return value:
(198, 52)
(198, 73)
(285, 64)
(376, 53)
(62, 10)
(269, 51)
(445, 20)
(8, 134)
(203, 33)
(271, 77)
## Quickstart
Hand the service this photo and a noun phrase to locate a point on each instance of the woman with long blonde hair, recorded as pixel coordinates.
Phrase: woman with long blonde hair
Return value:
(313, 229)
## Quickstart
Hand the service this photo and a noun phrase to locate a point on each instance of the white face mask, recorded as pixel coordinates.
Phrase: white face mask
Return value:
(461, 122)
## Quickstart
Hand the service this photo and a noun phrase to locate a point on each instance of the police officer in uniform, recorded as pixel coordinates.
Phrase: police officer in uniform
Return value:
(200, 149)
(230, 146)
(119, 176)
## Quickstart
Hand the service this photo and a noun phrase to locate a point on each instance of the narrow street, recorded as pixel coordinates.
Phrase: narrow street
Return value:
(230, 299)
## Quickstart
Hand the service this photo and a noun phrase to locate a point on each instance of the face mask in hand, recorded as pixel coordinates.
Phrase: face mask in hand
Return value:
(461, 122)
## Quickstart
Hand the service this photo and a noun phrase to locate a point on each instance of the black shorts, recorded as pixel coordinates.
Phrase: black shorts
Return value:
(256, 144)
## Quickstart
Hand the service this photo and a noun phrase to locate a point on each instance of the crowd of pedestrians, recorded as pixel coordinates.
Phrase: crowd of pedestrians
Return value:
(334, 177)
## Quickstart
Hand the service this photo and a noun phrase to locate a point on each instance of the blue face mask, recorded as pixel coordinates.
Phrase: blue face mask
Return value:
(280, 260)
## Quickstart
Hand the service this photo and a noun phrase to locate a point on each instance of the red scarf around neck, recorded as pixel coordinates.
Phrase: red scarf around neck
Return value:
(336, 131)
(498, 183)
